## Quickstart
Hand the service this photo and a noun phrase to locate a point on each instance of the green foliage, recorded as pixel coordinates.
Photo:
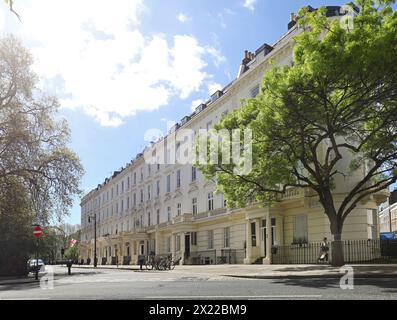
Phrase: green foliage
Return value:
(16, 239)
(33, 144)
(336, 101)
(71, 253)
(39, 175)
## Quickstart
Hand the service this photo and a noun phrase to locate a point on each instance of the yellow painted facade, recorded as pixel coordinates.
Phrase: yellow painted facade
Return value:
(166, 209)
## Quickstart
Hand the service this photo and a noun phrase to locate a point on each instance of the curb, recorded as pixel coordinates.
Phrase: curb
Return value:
(13, 282)
(101, 268)
(322, 276)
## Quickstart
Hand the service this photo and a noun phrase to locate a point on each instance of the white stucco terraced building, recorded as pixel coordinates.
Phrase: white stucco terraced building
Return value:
(172, 209)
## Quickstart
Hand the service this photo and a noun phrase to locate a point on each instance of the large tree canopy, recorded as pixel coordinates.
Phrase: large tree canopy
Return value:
(33, 144)
(336, 102)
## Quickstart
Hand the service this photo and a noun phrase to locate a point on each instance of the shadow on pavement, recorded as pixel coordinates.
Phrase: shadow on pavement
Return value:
(326, 283)
(20, 286)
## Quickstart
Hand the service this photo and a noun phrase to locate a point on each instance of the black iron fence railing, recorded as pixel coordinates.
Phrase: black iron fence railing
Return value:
(115, 260)
(354, 251)
(202, 257)
(213, 256)
(126, 260)
(302, 253)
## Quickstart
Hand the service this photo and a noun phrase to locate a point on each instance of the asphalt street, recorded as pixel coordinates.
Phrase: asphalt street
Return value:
(127, 284)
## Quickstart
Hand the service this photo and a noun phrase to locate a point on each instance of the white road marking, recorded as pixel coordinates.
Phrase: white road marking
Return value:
(236, 297)
(44, 298)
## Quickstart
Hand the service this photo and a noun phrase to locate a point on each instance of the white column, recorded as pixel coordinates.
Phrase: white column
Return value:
(157, 242)
(173, 246)
(182, 239)
(268, 258)
(248, 241)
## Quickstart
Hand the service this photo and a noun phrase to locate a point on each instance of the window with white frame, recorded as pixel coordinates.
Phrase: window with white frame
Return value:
(194, 205)
(142, 174)
(210, 203)
(148, 192)
(168, 213)
(194, 174)
(134, 199)
(178, 178)
(193, 238)
(122, 205)
(157, 187)
(254, 91)
(178, 150)
(179, 209)
(122, 186)
(128, 183)
(158, 216)
(148, 219)
(226, 237)
(169, 183)
(300, 229)
(141, 195)
(128, 203)
(210, 236)
(134, 178)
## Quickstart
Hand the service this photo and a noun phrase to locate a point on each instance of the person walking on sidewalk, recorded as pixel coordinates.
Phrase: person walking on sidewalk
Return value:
(324, 248)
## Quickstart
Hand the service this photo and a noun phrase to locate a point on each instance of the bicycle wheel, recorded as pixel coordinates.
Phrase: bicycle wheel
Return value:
(149, 265)
(163, 265)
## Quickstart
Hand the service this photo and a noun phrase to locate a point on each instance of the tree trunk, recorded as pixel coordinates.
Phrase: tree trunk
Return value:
(337, 256)
(336, 225)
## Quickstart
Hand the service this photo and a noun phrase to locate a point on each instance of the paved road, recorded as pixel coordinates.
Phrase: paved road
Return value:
(127, 284)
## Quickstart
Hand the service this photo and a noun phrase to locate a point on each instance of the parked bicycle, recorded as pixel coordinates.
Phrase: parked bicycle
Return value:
(161, 263)
(152, 262)
(170, 264)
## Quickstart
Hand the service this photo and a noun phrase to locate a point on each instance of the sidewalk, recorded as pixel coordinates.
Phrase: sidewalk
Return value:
(275, 271)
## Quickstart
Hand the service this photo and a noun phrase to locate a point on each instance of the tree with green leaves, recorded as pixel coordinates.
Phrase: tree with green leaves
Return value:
(33, 144)
(34, 156)
(16, 239)
(72, 253)
(329, 119)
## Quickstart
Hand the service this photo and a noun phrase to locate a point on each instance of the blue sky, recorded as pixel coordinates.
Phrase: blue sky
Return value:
(100, 63)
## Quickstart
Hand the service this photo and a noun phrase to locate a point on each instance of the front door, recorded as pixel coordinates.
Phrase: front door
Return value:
(187, 246)
(142, 248)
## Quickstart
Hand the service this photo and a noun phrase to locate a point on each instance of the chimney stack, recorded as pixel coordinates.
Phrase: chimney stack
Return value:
(293, 20)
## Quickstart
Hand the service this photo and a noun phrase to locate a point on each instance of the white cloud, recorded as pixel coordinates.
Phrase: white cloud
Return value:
(222, 16)
(217, 55)
(213, 87)
(183, 17)
(109, 68)
(249, 4)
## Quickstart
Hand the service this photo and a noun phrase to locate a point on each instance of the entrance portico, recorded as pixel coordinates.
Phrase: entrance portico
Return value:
(261, 234)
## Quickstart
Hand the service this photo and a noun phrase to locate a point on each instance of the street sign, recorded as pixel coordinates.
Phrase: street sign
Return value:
(37, 232)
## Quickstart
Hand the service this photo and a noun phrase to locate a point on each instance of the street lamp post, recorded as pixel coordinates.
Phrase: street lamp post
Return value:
(89, 220)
